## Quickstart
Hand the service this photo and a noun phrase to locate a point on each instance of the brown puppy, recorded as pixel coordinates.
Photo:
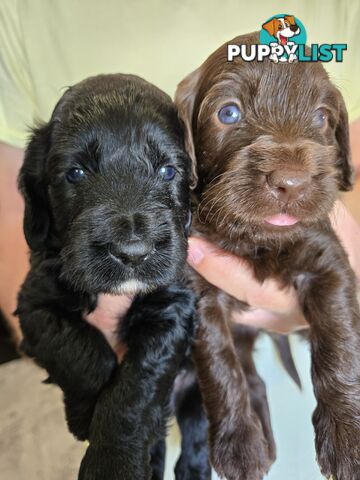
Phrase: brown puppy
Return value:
(270, 150)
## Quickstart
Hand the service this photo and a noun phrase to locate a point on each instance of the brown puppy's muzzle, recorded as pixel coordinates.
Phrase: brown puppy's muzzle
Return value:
(270, 177)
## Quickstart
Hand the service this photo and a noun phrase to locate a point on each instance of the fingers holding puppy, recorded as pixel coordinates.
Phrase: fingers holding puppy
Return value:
(273, 308)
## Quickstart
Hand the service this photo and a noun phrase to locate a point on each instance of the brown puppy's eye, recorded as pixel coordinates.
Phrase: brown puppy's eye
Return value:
(320, 118)
(229, 114)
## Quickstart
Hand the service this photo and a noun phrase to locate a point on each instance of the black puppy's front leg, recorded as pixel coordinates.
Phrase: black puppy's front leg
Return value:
(328, 299)
(75, 354)
(77, 358)
(131, 412)
(157, 459)
(194, 461)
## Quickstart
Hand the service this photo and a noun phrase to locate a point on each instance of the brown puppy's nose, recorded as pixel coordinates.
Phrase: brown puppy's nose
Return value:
(293, 28)
(288, 185)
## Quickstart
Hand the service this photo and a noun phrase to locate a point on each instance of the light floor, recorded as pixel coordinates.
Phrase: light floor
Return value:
(35, 445)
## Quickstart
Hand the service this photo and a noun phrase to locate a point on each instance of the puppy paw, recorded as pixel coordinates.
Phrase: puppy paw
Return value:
(108, 463)
(166, 313)
(337, 443)
(261, 408)
(242, 453)
(79, 414)
(177, 302)
(76, 355)
(187, 469)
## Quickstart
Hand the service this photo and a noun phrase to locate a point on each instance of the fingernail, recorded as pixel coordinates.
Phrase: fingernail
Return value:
(195, 253)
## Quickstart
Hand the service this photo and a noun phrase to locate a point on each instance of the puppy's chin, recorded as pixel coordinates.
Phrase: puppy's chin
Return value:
(132, 288)
(99, 274)
(261, 232)
(266, 234)
(116, 286)
(278, 233)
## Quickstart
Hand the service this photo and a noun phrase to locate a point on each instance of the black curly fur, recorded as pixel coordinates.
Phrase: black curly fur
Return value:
(119, 130)
(158, 328)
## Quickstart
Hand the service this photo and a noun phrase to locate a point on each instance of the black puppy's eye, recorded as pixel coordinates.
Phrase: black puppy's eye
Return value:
(320, 118)
(75, 175)
(167, 173)
(229, 114)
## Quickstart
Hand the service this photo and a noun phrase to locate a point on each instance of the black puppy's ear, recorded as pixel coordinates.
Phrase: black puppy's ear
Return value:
(185, 100)
(31, 183)
(343, 161)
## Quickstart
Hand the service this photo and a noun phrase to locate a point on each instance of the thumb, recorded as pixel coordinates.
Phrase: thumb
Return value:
(228, 272)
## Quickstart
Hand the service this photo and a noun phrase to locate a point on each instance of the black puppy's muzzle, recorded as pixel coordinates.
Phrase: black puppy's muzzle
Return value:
(133, 238)
(108, 248)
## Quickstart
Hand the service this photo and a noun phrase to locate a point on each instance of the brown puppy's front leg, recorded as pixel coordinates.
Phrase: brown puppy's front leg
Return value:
(244, 340)
(329, 302)
(238, 448)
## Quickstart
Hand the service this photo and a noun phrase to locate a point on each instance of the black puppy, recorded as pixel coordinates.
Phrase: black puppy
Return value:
(105, 184)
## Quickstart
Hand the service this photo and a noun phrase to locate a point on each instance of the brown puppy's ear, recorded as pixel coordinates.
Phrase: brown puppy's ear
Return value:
(184, 100)
(343, 162)
(270, 26)
(290, 19)
(31, 183)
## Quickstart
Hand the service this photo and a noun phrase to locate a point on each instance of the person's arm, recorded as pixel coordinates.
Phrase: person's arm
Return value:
(351, 199)
(355, 144)
(13, 248)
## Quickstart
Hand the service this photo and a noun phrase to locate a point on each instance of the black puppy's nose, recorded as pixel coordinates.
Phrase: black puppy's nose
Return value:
(131, 253)
(288, 185)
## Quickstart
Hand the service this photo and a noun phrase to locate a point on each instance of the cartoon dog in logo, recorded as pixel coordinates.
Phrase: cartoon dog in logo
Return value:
(282, 28)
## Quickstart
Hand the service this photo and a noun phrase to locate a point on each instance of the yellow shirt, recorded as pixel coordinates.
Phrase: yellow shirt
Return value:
(47, 45)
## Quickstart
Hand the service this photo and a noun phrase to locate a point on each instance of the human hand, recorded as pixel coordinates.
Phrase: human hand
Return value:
(272, 308)
(107, 316)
